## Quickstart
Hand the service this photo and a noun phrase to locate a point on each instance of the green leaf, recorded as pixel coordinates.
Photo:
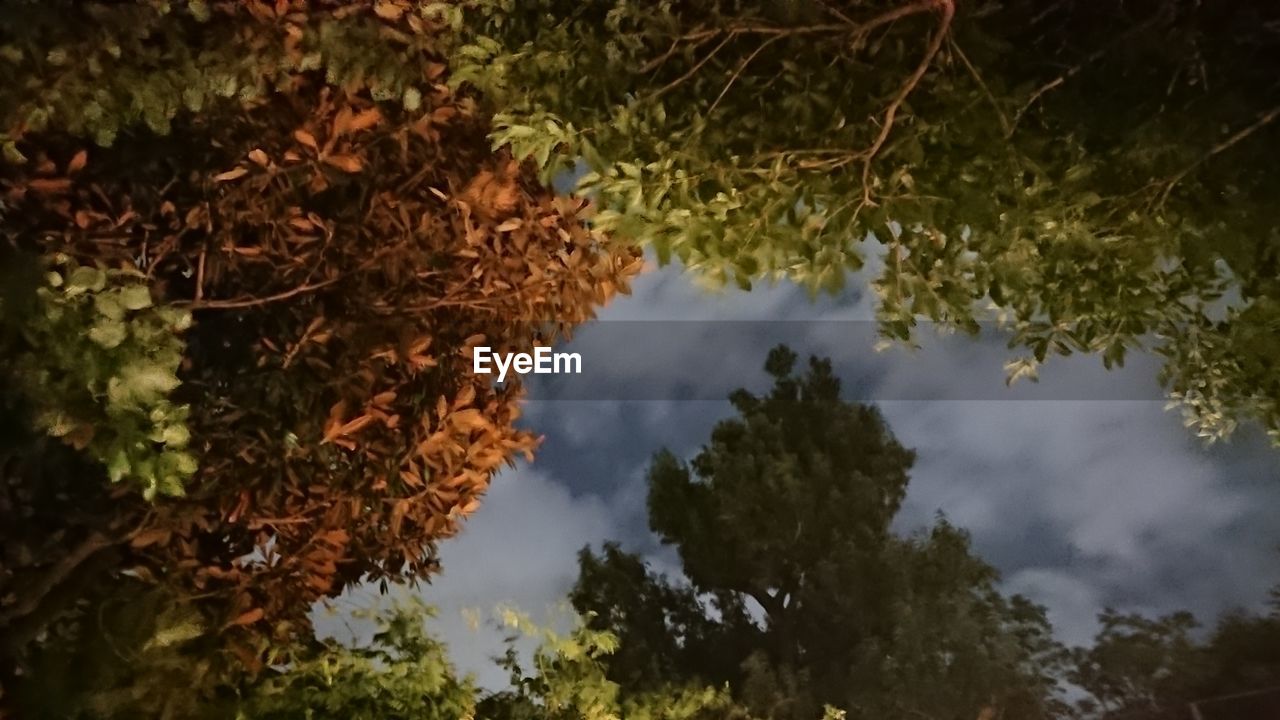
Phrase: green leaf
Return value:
(83, 279)
(108, 333)
(135, 297)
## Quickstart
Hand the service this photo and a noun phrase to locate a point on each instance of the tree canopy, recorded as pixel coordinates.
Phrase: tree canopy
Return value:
(251, 246)
(788, 509)
(1094, 176)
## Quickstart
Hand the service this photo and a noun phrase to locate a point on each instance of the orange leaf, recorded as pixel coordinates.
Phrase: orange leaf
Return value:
(465, 397)
(78, 162)
(248, 618)
(365, 120)
(258, 156)
(348, 163)
(149, 537)
(231, 174)
(468, 419)
(50, 185)
(397, 515)
(306, 138)
(388, 10)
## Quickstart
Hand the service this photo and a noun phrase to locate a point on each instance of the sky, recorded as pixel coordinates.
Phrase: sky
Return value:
(1082, 489)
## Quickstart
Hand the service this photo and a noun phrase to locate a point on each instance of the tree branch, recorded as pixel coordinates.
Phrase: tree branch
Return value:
(948, 9)
(1075, 69)
(1266, 119)
(30, 601)
(742, 66)
(691, 72)
(1004, 120)
(254, 302)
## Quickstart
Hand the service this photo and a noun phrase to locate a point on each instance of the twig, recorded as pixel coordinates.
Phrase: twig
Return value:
(655, 63)
(948, 8)
(200, 277)
(55, 576)
(859, 29)
(1266, 119)
(691, 72)
(1004, 120)
(1075, 69)
(738, 71)
(837, 12)
(254, 302)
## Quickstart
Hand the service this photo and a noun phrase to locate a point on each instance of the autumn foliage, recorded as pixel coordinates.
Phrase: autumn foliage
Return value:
(340, 255)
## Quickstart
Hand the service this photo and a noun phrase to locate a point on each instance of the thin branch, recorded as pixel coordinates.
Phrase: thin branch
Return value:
(948, 8)
(858, 30)
(837, 12)
(655, 63)
(30, 601)
(200, 277)
(738, 71)
(691, 72)
(1266, 119)
(1075, 69)
(919, 6)
(254, 302)
(1004, 120)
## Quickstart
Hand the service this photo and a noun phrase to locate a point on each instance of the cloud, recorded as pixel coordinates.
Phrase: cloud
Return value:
(1072, 602)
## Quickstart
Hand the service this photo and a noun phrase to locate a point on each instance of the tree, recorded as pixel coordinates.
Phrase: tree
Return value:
(1140, 667)
(404, 673)
(788, 508)
(1094, 176)
(663, 629)
(255, 244)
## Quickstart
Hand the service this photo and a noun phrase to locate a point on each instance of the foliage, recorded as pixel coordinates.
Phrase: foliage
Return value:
(403, 673)
(339, 229)
(1093, 176)
(788, 507)
(101, 360)
(1137, 663)
(1141, 667)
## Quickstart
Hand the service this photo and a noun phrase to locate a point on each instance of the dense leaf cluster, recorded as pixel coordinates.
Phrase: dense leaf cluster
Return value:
(1097, 177)
(100, 360)
(341, 237)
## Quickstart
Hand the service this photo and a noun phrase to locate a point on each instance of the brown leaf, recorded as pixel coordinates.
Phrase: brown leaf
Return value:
(388, 10)
(50, 186)
(364, 120)
(306, 138)
(465, 397)
(149, 537)
(260, 157)
(231, 174)
(248, 618)
(469, 419)
(410, 479)
(78, 162)
(397, 515)
(347, 163)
